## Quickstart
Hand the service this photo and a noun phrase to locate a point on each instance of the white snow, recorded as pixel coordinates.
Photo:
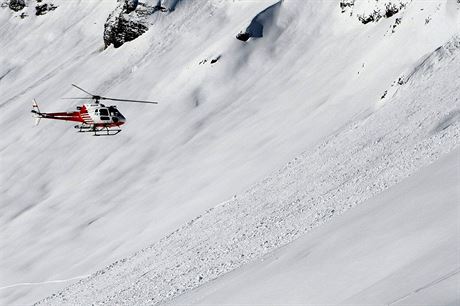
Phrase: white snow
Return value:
(72, 204)
(401, 247)
(371, 155)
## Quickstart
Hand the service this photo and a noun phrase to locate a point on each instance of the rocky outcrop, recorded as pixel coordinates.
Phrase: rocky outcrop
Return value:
(123, 30)
(390, 10)
(128, 21)
(17, 5)
(243, 36)
(344, 4)
(131, 5)
(370, 11)
(41, 6)
(42, 9)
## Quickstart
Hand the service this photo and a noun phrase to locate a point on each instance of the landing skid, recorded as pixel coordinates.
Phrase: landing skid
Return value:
(103, 131)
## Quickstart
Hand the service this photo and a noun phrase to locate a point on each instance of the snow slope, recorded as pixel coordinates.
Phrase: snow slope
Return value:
(72, 204)
(398, 248)
(409, 131)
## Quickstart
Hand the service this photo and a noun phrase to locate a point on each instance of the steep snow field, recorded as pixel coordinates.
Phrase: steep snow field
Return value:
(72, 204)
(398, 248)
(412, 130)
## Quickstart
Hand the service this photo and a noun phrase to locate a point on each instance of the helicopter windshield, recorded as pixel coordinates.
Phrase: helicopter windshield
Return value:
(115, 113)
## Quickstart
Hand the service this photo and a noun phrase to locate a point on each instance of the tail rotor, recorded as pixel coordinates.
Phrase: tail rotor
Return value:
(36, 111)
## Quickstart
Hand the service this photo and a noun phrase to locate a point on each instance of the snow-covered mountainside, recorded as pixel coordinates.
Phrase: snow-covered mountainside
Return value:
(357, 108)
(398, 248)
(415, 128)
(374, 255)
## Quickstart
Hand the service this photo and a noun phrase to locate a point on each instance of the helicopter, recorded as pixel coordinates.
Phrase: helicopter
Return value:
(93, 117)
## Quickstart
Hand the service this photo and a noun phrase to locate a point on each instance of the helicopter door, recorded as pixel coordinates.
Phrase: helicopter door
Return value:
(104, 113)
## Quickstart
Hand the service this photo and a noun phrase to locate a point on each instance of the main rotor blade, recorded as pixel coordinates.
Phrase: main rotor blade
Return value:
(82, 89)
(96, 97)
(126, 100)
(85, 98)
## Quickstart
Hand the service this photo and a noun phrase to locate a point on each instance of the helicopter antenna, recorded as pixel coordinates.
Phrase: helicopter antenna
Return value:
(97, 97)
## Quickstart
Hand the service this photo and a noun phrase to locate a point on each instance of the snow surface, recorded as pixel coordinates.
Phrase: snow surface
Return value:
(401, 247)
(408, 132)
(72, 204)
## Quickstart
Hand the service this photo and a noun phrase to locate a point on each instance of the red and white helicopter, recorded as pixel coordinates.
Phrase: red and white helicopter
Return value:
(92, 117)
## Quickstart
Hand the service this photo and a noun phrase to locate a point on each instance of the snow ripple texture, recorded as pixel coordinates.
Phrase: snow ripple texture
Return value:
(407, 131)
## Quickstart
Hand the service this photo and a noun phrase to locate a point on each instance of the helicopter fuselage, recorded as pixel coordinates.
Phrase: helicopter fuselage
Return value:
(100, 115)
(96, 115)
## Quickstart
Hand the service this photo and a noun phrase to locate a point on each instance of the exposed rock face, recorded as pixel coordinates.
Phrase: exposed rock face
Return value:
(346, 3)
(122, 31)
(17, 5)
(42, 9)
(390, 10)
(128, 21)
(131, 5)
(367, 12)
(120, 28)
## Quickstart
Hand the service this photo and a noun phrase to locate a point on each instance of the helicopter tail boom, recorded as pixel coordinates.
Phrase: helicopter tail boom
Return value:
(66, 116)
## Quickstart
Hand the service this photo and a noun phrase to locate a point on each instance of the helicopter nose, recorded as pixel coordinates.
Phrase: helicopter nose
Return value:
(118, 120)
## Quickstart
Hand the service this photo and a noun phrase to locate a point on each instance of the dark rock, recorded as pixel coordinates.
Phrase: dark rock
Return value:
(346, 3)
(17, 5)
(130, 6)
(397, 22)
(42, 9)
(384, 94)
(390, 10)
(243, 36)
(121, 30)
(373, 17)
(214, 60)
(128, 21)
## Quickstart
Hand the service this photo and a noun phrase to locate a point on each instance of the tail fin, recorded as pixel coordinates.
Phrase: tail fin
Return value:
(36, 111)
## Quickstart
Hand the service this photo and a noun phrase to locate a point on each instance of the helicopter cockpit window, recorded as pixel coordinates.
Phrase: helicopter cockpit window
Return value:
(115, 113)
(104, 113)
